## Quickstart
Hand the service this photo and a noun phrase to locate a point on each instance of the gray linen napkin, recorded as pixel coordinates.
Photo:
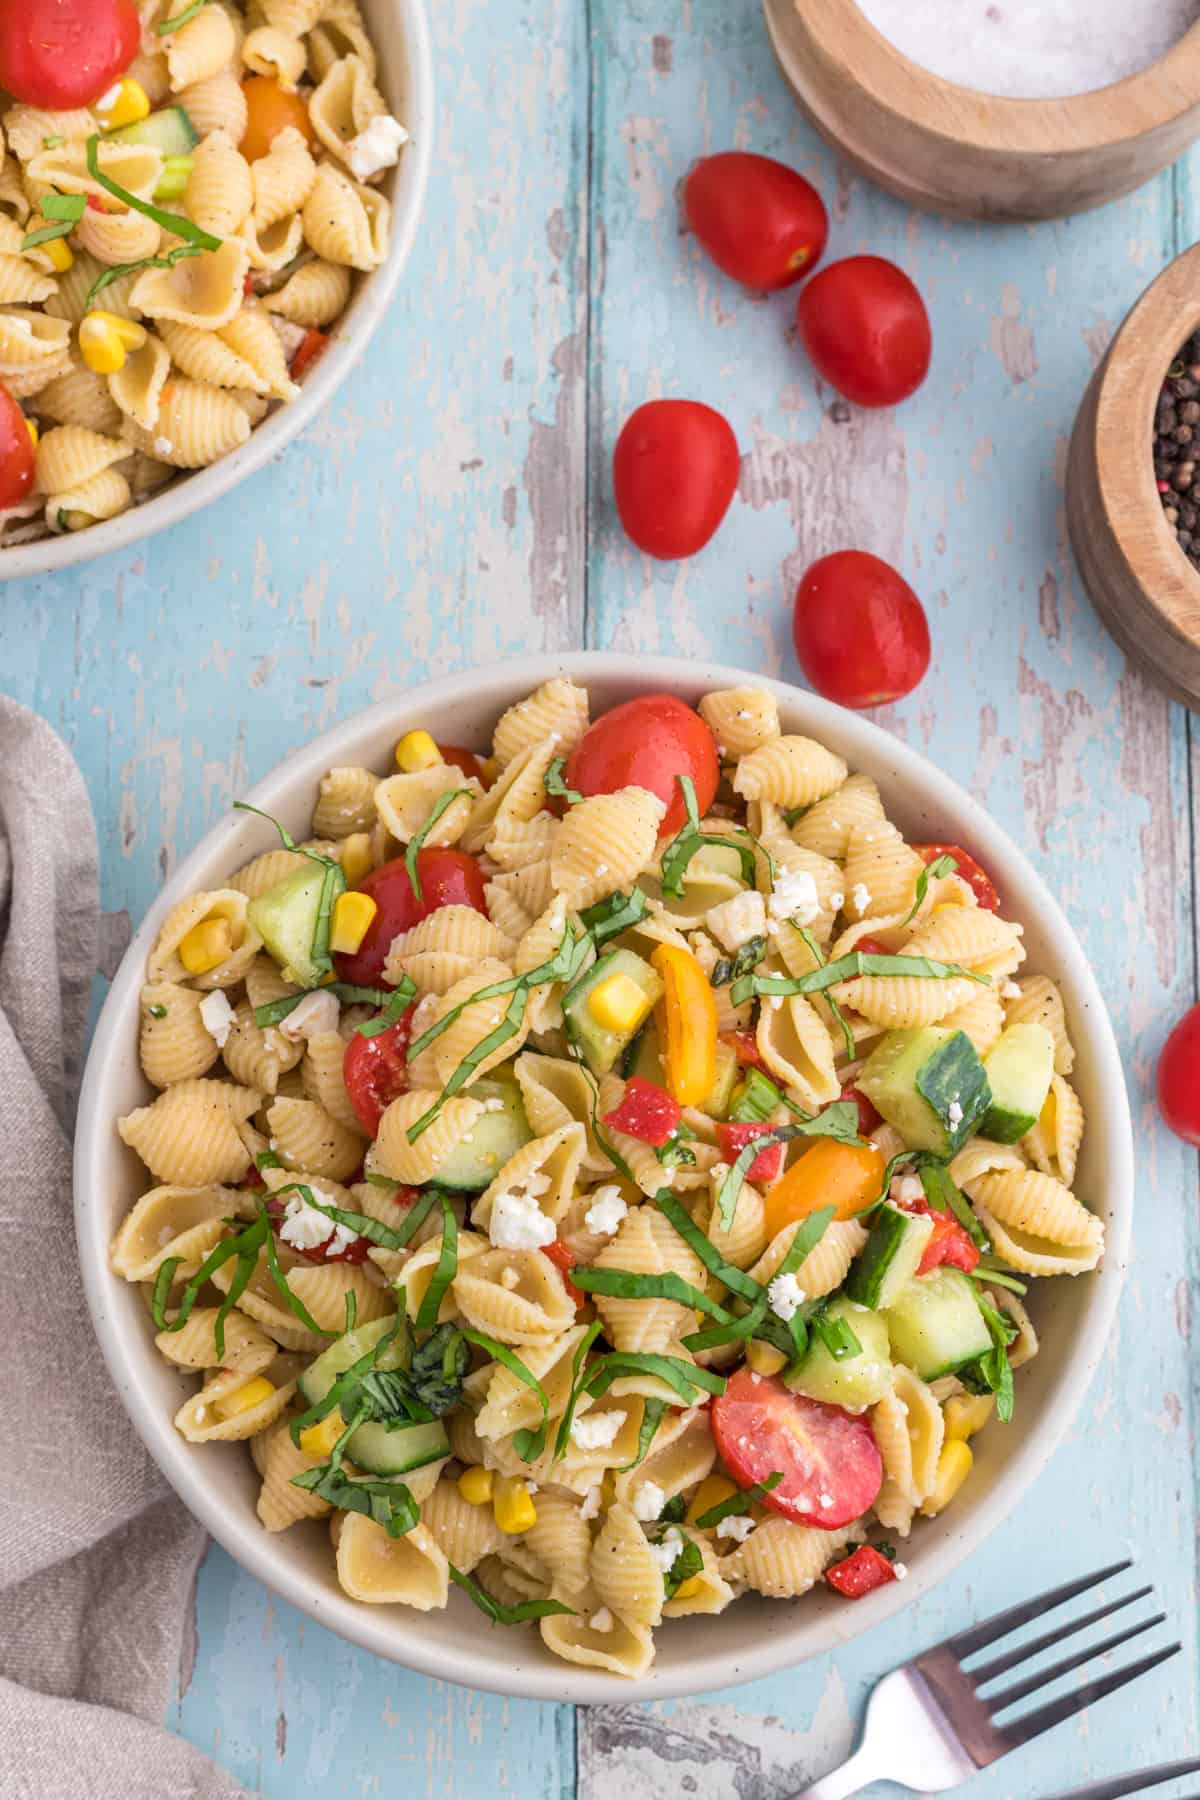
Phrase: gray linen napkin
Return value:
(97, 1561)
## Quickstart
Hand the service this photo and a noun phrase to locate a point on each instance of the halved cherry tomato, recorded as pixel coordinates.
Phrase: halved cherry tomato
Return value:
(466, 760)
(861, 1573)
(646, 1111)
(61, 54)
(647, 743)
(313, 344)
(744, 1045)
(375, 1071)
(860, 632)
(687, 1024)
(675, 470)
(1179, 1078)
(868, 1118)
(976, 878)
(758, 220)
(564, 1260)
(830, 1462)
(16, 452)
(865, 326)
(447, 877)
(844, 1176)
(269, 110)
(354, 1252)
(950, 1244)
(733, 1138)
(870, 946)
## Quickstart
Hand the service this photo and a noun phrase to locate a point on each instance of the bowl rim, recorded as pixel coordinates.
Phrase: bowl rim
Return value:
(129, 1356)
(198, 488)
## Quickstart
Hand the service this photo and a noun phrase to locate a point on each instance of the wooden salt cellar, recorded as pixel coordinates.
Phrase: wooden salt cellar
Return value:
(950, 149)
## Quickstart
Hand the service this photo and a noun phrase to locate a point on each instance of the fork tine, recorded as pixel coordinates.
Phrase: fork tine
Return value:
(1034, 1723)
(1137, 1783)
(1000, 1665)
(966, 1643)
(1010, 1695)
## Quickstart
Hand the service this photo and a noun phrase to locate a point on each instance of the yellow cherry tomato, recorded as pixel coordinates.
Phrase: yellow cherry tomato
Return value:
(844, 1176)
(688, 1031)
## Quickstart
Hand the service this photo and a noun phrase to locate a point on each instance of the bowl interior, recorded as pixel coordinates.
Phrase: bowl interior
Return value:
(754, 1637)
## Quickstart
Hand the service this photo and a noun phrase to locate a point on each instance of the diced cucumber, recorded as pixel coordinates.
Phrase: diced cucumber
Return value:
(285, 917)
(378, 1448)
(935, 1324)
(930, 1084)
(855, 1381)
(717, 1100)
(1019, 1066)
(350, 1348)
(169, 130)
(755, 1098)
(497, 1134)
(644, 1056)
(890, 1257)
(600, 1046)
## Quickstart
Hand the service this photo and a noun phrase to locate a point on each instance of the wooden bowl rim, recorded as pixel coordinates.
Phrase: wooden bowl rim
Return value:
(1154, 97)
(1138, 358)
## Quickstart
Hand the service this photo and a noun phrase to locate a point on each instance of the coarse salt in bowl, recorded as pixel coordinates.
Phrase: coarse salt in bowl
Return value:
(755, 1637)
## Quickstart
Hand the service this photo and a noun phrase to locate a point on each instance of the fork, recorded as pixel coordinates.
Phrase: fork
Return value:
(1137, 1783)
(928, 1727)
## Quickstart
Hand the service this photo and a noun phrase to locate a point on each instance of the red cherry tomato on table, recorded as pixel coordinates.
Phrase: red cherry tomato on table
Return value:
(758, 220)
(564, 1260)
(675, 470)
(860, 632)
(16, 452)
(823, 1453)
(866, 330)
(1179, 1078)
(647, 743)
(375, 1071)
(976, 878)
(62, 54)
(861, 1573)
(447, 877)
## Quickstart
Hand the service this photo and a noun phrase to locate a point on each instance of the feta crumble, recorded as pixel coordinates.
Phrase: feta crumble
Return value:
(217, 1017)
(905, 1189)
(376, 148)
(607, 1210)
(734, 922)
(785, 1296)
(649, 1501)
(517, 1221)
(900, 1571)
(794, 897)
(954, 1115)
(601, 1621)
(591, 1503)
(316, 1013)
(1010, 991)
(597, 1430)
(304, 1228)
(163, 446)
(665, 1552)
(737, 1526)
(860, 896)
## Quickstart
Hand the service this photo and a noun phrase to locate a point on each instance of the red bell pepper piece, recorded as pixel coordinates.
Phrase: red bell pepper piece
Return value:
(646, 1111)
(733, 1138)
(861, 1573)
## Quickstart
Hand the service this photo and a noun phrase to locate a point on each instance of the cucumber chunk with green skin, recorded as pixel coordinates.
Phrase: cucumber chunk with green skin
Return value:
(169, 130)
(890, 1257)
(378, 1448)
(497, 1134)
(644, 1057)
(929, 1084)
(1019, 1067)
(935, 1325)
(716, 1102)
(855, 1381)
(599, 1046)
(285, 917)
(755, 1099)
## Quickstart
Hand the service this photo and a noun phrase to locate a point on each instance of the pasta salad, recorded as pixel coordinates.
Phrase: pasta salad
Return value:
(175, 247)
(605, 1175)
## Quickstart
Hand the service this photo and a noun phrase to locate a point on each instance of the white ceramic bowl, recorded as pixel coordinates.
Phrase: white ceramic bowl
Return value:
(754, 1637)
(400, 31)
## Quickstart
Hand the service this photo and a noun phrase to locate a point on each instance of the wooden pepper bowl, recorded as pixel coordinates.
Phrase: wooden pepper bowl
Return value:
(953, 150)
(1139, 580)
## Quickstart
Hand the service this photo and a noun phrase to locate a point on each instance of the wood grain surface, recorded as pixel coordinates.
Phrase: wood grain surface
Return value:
(453, 507)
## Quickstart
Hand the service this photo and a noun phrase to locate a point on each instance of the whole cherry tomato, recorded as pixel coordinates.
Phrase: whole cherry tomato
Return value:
(375, 1071)
(830, 1462)
(61, 54)
(269, 110)
(1179, 1078)
(447, 877)
(759, 221)
(861, 634)
(16, 452)
(976, 878)
(648, 743)
(675, 470)
(865, 327)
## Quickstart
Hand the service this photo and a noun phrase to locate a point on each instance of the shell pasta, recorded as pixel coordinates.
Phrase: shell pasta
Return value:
(604, 1175)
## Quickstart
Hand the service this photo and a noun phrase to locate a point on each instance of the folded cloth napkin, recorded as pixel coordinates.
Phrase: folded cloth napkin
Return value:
(97, 1560)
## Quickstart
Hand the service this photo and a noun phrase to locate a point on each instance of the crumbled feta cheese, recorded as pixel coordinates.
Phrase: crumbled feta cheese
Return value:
(108, 98)
(601, 1621)
(954, 1115)
(304, 1227)
(737, 1526)
(378, 147)
(607, 1210)
(591, 1503)
(596, 1430)
(649, 1501)
(794, 897)
(774, 1002)
(517, 1221)
(900, 1571)
(905, 1190)
(860, 896)
(825, 1501)
(785, 1296)
(290, 335)
(509, 1278)
(217, 1017)
(317, 1012)
(493, 1105)
(665, 1553)
(1010, 991)
(163, 446)
(736, 921)
(837, 901)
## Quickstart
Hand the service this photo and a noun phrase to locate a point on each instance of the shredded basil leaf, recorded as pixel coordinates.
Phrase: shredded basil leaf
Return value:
(388, 1503)
(443, 1275)
(245, 1246)
(683, 1378)
(361, 1223)
(835, 1334)
(993, 1372)
(500, 1614)
(293, 1301)
(172, 222)
(941, 865)
(819, 958)
(688, 1563)
(162, 1288)
(351, 1311)
(942, 1192)
(441, 805)
(626, 1285)
(838, 1121)
(739, 1503)
(988, 1275)
(652, 1418)
(609, 917)
(556, 787)
(394, 1009)
(848, 968)
(759, 1322)
(683, 847)
(730, 968)
(585, 1343)
(674, 1512)
(166, 26)
(677, 1215)
(439, 1367)
(391, 1001)
(527, 1444)
(115, 272)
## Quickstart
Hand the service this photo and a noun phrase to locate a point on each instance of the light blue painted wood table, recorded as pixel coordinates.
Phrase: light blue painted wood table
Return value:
(454, 507)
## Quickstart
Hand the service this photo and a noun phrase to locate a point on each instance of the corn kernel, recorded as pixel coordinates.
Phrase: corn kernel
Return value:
(318, 1440)
(687, 1590)
(965, 1414)
(712, 1490)
(512, 1505)
(242, 1399)
(475, 1486)
(489, 771)
(953, 1467)
(618, 1004)
(205, 946)
(764, 1359)
(352, 915)
(58, 251)
(356, 859)
(124, 104)
(34, 434)
(416, 750)
(105, 341)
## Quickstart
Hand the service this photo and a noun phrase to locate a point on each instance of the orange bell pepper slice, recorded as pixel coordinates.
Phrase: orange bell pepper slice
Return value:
(688, 1030)
(844, 1176)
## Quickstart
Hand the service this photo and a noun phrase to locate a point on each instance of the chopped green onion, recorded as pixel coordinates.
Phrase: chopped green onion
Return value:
(739, 1503)
(441, 805)
(157, 1012)
(172, 222)
(836, 1335)
(755, 1099)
